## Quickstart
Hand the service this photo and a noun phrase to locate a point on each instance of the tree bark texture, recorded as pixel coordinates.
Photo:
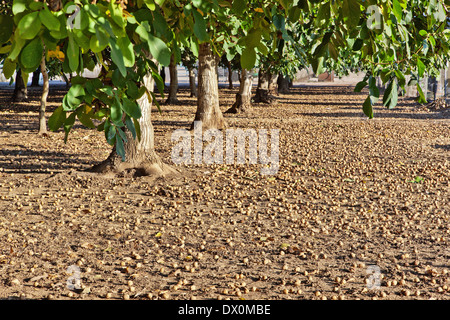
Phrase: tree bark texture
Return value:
(36, 76)
(230, 75)
(45, 89)
(173, 88)
(243, 101)
(208, 110)
(283, 84)
(141, 157)
(266, 87)
(55, 5)
(20, 89)
(192, 84)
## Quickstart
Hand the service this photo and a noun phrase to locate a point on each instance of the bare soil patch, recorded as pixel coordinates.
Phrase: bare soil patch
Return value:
(351, 195)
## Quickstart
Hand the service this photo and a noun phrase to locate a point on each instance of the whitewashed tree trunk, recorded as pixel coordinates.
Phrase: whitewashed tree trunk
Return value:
(208, 110)
(140, 155)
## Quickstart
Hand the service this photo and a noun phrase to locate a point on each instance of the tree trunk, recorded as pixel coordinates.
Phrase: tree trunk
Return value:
(283, 84)
(20, 89)
(273, 85)
(66, 80)
(141, 157)
(45, 89)
(192, 84)
(262, 91)
(230, 75)
(162, 73)
(35, 79)
(173, 88)
(208, 110)
(266, 87)
(55, 5)
(243, 101)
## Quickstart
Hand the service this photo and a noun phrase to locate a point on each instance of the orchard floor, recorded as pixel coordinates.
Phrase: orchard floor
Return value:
(356, 203)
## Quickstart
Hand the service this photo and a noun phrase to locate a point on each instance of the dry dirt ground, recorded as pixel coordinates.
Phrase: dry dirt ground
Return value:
(355, 204)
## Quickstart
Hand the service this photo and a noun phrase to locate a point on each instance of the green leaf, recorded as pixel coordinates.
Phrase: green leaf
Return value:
(150, 4)
(62, 32)
(116, 112)
(401, 78)
(74, 97)
(132, 90)
(248, 58)
(358, 44)
(8, 68)
(159, 50)
(332, 51)
(159, 83)
(323, 16)
(17, 46)
(131, 108)
(239, 6)
(68, 124)
(390, 97)
(142, 32)
(116, 14)
(398, 10)
(441, 14)
(120, 147)
(279, 22)
(6, 28)
(96, 46)
(130, 125)
(194, 47)
(49, 20)
(5, 49)
(81, 39)
(137, 126)
(422, 99)
(117, 57)
(73, 53)
(117, 79)
(102, 37)
(262, 48)
(29, 26)
(110, 133)
(161, 27)
(31, 55)
(122, 134)
(126, 47)
(420, 68)
(318, 65)
(352, 12)
(19, 6)
(374, 92)
(35, 6)
(200, 27)
(294, 14)
(361, 85)
(84, 117)
(57, 119)
(367, 108)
